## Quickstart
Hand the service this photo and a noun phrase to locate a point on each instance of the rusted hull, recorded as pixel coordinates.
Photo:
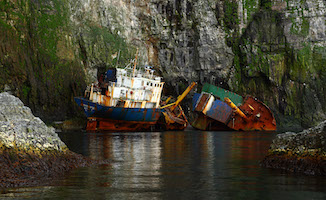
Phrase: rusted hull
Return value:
(100, 124)
(173, 120)
(259, 117)
(104, 118)
(204, 123)
(211, 113)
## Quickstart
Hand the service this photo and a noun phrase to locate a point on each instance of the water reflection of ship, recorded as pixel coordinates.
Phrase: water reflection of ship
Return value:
(249, 146)
(160, 160)
(133, 155)
(178, 146)
(184, 162)
(209, 159)
(100, 146)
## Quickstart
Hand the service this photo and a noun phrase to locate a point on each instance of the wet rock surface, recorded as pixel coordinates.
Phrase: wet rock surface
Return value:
(20, 169)
(30, 151)
(303, 152)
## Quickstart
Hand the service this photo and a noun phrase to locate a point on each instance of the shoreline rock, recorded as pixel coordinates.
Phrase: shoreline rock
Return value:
(30, 151)
(303, 152)
(27, 169)
(75, 124)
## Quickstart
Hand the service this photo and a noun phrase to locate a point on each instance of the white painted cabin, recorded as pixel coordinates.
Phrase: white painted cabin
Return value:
(133, 89)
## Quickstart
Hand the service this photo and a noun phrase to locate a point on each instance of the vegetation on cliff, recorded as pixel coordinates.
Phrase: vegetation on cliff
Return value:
(274, 50)
(45, 57)
(37, 62)
(278, 59)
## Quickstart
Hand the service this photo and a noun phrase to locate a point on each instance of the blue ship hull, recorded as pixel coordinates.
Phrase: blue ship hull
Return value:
(118, 118)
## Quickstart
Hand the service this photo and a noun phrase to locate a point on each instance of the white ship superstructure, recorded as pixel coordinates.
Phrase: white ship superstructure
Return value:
(132, 89)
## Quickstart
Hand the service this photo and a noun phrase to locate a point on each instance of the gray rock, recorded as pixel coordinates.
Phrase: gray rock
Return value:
(7, 99)
(7, 88)
(310, 139)
(20, 128)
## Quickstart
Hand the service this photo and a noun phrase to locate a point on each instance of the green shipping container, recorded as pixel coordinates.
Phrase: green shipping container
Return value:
(222, 93)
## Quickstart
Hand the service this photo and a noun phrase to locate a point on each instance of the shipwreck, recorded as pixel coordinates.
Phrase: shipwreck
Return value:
(217, 109)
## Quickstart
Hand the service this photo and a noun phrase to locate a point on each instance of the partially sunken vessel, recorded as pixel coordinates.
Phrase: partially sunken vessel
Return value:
(217, 109)
(123, 100)
(129, 99)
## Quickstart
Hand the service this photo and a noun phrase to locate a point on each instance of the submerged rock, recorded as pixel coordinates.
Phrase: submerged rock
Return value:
(30, 151)
(303, 152)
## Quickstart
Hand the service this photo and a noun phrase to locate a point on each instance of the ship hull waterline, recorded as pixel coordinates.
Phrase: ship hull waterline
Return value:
(105, 118)
(220, 116)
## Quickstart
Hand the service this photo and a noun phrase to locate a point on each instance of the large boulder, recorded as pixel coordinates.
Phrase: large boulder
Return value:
(300, 143)
(19, 128)
(303, 152)
(31, 153)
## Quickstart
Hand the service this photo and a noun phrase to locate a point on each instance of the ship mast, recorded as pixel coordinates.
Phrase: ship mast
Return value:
(133, 71)
(135, 63)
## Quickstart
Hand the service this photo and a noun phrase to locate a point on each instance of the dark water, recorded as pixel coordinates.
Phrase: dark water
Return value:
(175, 165)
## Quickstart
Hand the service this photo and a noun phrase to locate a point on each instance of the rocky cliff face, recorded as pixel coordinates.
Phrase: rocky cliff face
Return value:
(280, 58)
(274, 50)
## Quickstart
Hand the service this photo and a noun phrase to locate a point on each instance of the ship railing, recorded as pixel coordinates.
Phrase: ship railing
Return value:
(95, 88)
(147, 88)
(112, 84)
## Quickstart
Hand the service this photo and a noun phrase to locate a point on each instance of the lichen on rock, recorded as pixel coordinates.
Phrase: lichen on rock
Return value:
(20, 129)
(303, 152)
(30, 151)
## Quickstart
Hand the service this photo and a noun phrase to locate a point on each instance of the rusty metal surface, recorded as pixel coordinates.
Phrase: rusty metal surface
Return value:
(235, 108)
(173, 117)
(202, 101)
(220, 111)
(195, 99)
(222, 117)
(259, 116)
(100, 124)
(202, 122)
(172, 120)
